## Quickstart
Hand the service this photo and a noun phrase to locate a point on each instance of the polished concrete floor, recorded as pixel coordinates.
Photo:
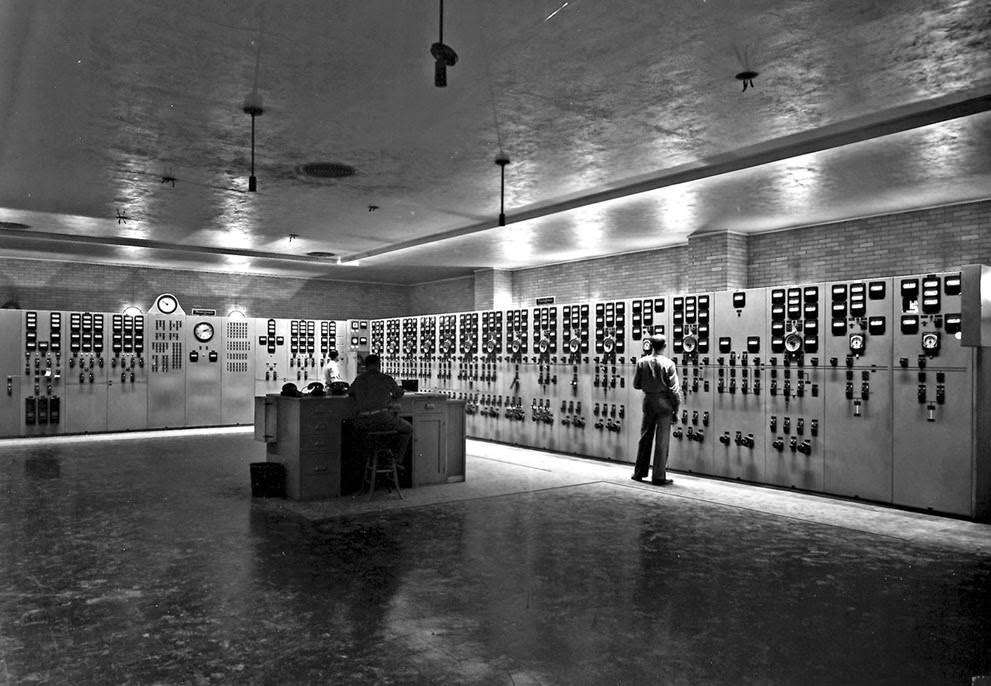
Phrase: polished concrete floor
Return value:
(144, 559)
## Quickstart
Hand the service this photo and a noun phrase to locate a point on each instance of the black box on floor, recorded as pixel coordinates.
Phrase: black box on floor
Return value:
(268, 480)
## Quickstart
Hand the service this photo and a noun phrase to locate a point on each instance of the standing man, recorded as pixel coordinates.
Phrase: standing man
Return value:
(657, 377)
(374, 395)
(332, 373)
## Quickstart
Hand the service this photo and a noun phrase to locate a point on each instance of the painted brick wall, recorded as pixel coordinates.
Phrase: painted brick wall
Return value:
(607, 278)
(49, 285)
(493, 289)
(718, 261)
(890, 245)
(448, 295)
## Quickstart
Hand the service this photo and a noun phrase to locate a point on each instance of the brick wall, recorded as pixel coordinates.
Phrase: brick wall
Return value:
(908, 243)
(607, 278)
(448, 295)
(913, 242)
(49, 285)
(718, 261)
(493, 289)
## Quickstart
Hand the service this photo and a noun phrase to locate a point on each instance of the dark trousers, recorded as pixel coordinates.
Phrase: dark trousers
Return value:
(655, 432)
(385, 421)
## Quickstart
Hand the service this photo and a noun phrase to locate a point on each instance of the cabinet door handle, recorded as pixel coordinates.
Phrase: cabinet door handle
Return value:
(429, 406)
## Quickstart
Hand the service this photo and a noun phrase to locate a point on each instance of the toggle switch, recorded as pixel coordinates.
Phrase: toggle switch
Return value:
(857, 405)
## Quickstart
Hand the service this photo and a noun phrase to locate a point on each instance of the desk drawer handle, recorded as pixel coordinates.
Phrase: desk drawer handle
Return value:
(429, 406)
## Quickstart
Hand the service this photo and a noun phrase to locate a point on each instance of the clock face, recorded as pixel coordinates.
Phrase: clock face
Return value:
(203, 331)
(167, 304)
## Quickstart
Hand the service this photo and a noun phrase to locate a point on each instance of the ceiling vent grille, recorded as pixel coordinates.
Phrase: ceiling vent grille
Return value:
(325, 170)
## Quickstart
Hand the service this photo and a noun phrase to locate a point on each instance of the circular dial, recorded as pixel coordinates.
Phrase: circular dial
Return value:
(544, 345)
(203, 331)
(516, 345)
(690, 344)
(646, 345)
(167, 304)
(490, 346)
(930, 342)
(574, 345)
(609, 344)
(793, 342)
(857, 343)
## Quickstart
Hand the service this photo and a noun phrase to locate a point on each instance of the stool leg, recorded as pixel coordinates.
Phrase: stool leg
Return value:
(374, 472)
(395, 479)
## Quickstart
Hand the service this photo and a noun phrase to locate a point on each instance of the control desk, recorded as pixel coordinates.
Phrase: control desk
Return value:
(311, 437)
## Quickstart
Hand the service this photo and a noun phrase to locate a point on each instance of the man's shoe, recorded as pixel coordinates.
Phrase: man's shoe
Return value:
(663, 482)
(636, 478)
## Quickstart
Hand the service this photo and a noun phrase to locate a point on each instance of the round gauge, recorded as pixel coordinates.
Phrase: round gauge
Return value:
(490, 346)
(646, 345)
(574, 345)
(793, 342)
(690, 344)
(930, 342)
(608, 344)
(167, 303)
(543, 345)
(516, 345)
(857, 343)
(203, 331)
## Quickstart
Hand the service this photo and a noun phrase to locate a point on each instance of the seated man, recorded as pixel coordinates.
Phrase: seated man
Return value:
(374, 394)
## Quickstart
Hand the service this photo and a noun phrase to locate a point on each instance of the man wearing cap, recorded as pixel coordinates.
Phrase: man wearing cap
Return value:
(657, 377)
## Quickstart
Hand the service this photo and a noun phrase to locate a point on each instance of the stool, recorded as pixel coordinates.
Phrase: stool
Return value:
(381, 458)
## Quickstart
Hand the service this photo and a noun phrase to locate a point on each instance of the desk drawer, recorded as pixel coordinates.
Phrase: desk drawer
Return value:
(425, 405)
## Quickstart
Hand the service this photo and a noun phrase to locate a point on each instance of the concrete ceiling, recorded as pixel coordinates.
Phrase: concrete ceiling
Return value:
(624, 122)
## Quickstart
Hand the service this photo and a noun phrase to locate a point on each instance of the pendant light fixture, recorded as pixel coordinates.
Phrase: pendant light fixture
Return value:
(502, 159)
(444, 55)
(253, 107)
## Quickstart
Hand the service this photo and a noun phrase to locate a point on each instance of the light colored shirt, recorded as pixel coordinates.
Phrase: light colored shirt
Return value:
(658, 374)
(333, 372)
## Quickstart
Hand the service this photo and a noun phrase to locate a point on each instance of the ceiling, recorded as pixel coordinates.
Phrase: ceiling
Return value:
(123, 135)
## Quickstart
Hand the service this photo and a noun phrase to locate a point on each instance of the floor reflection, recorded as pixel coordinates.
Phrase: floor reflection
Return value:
(147, 561)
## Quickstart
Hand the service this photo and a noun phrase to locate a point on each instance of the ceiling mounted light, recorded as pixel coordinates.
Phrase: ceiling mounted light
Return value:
(444, 55)
(253, 106)
(502, 159)
(747, 72)
(747, 77)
